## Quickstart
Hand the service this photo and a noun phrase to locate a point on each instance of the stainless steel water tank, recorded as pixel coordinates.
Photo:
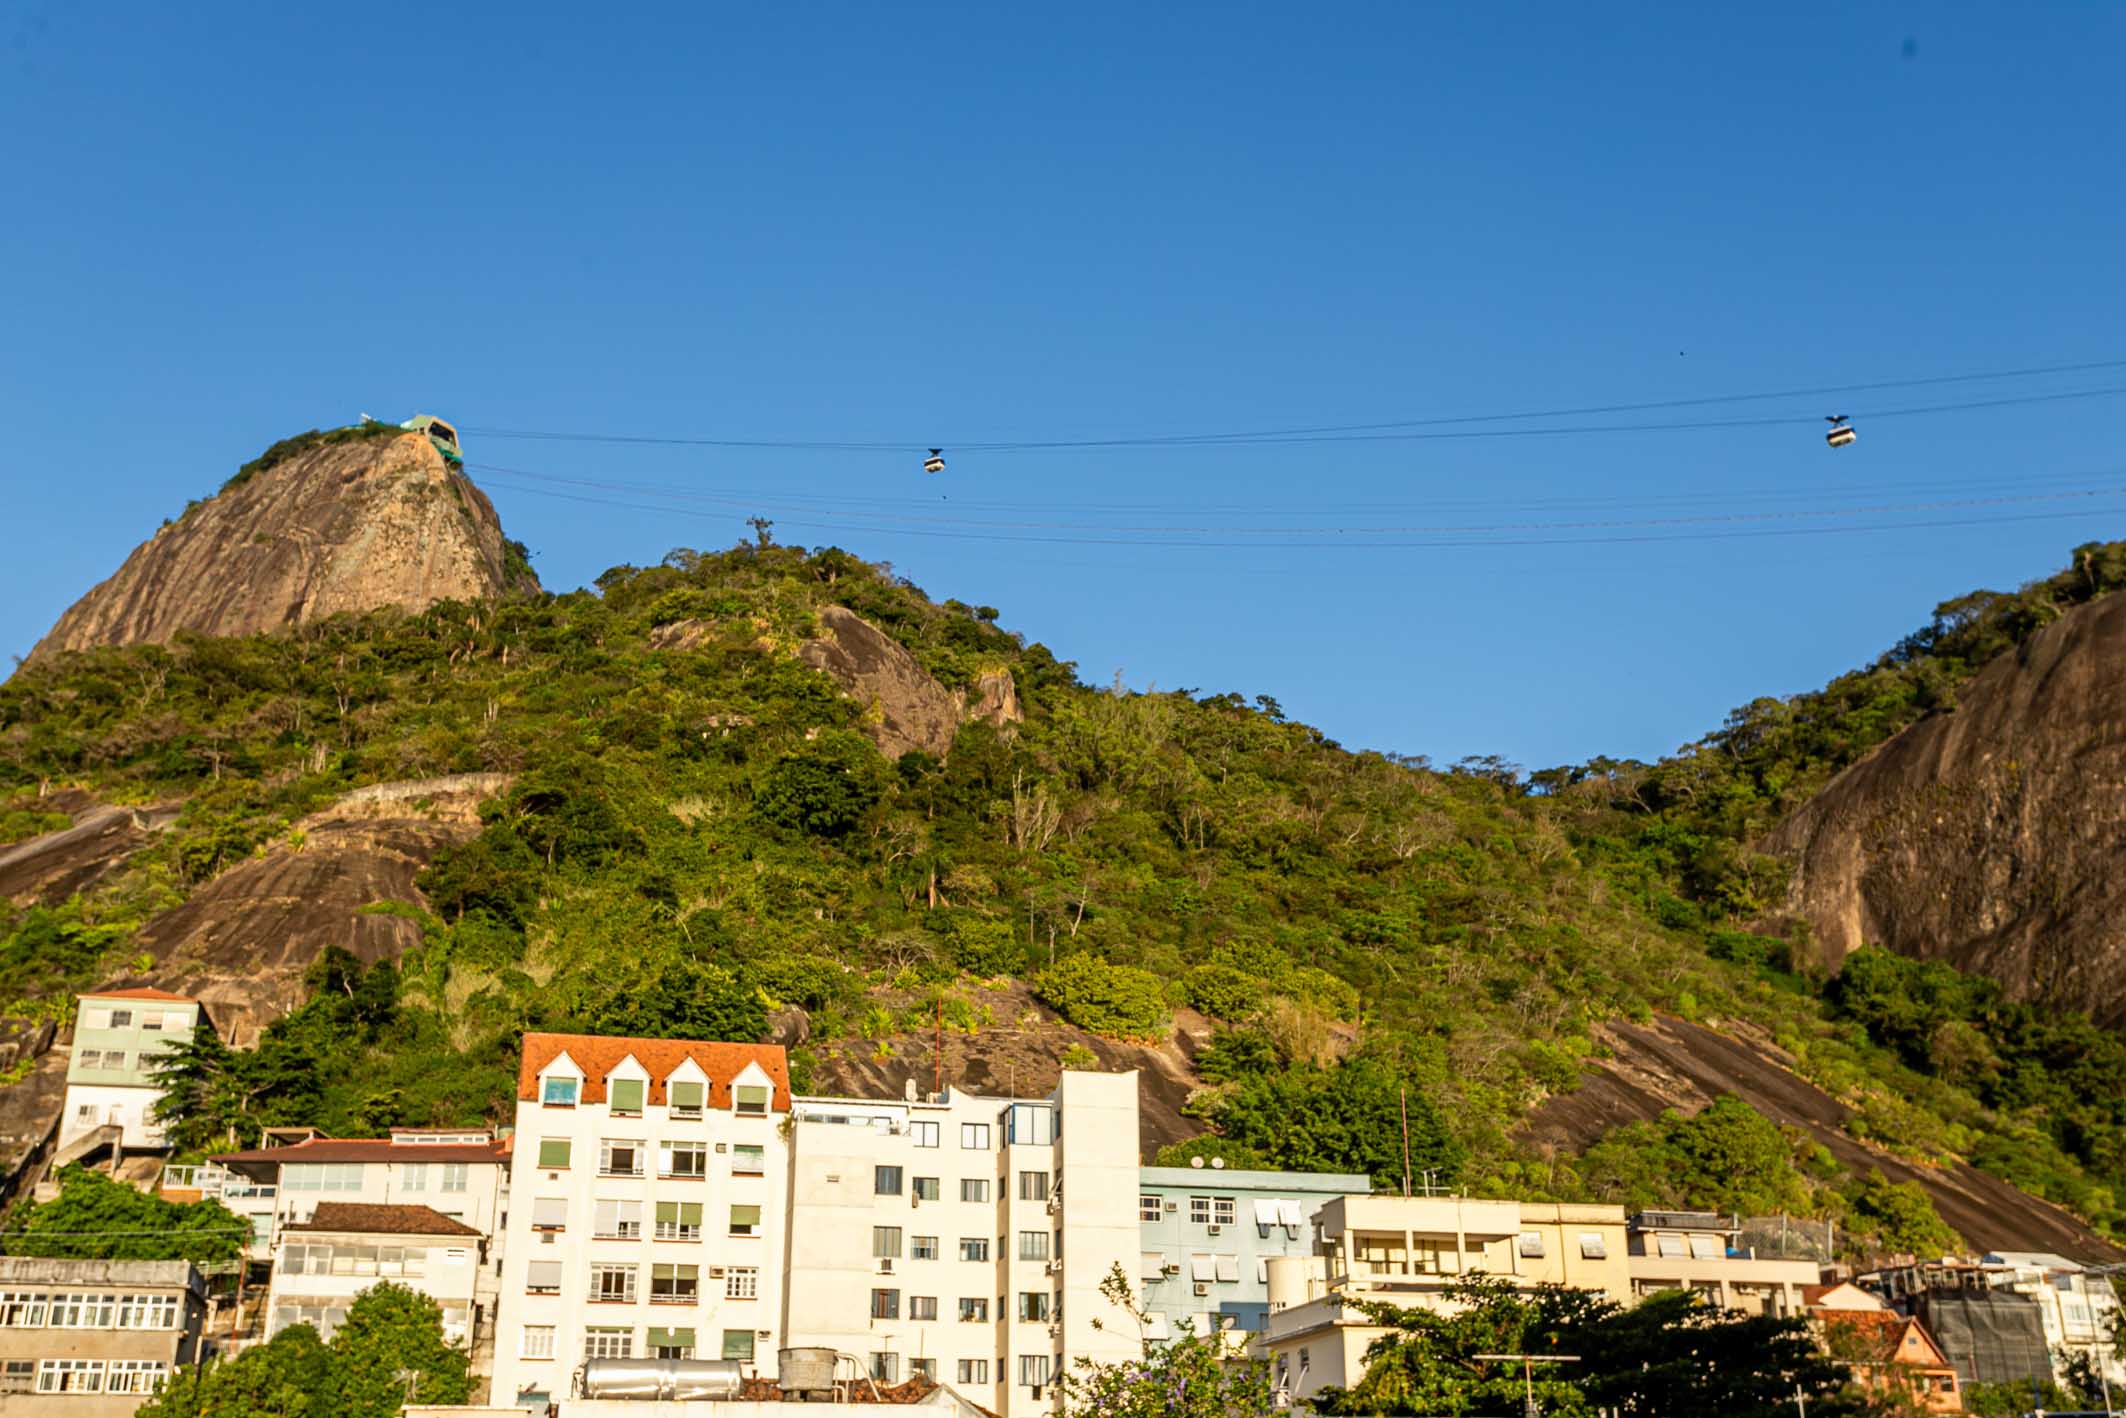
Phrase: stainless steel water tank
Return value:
(660, 1379)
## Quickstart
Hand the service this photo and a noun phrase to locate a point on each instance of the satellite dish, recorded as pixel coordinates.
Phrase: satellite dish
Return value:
(1195, 1161)
(1218, 1162)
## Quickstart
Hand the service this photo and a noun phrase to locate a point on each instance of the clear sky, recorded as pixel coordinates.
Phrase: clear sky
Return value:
(911, 224)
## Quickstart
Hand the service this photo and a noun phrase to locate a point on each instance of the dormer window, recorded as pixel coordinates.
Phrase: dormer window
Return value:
(750, 1100)
(686, 1099)
(559, 1093)
(626, 1096)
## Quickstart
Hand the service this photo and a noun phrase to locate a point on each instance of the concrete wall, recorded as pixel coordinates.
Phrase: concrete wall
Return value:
(36, 1336)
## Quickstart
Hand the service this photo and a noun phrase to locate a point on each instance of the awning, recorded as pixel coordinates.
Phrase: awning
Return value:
(1228, 1267)
(1292, 1213)
(1269, 1213)
(1155, 1326)
(1154, 1265)
(1203, 1267)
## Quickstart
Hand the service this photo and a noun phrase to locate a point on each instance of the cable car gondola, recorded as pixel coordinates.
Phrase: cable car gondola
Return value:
(935, 463)
(1841, 430)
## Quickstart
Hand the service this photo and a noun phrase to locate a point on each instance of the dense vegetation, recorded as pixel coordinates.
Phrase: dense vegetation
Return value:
(697, 839)
(94, 1216)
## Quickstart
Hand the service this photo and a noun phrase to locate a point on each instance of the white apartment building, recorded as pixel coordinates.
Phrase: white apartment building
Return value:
(463, 1173)
(966, 1238)
(2079, 1309)
(322, 1264)
(119, 1036)
(648, 1211)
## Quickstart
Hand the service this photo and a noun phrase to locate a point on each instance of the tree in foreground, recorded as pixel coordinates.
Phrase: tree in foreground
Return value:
(1670, 1354)
(388, 1351)
(1188, 1376)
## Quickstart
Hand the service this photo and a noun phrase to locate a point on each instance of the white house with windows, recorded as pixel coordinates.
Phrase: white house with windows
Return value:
(965, 1238)
(322, 1264)
(649, 1190)
(462, 1173)
(119, 1036)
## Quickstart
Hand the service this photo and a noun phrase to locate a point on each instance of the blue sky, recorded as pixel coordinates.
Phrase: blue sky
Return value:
(913, 224)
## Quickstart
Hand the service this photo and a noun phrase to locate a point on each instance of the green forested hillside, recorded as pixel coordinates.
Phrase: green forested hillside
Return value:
(696, 838)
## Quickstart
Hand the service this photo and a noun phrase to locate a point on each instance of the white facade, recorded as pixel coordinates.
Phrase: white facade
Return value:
(320, 1267)
(90, 1106)
(964, 1237)
(2079, 1309)
(118, 1039)
(649, 1191)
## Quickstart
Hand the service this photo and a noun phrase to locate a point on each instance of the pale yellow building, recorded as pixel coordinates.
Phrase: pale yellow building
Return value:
(1411, 1251)
(1697, 1250)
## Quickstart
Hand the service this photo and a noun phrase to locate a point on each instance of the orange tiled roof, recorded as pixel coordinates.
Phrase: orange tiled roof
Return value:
(141, 993)
(376, 1219)
(598, 1055)
(368, 1149)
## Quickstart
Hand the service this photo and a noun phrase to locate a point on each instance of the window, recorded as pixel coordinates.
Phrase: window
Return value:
(538, 1341)
(974, 1136)
(1033, 1245)
(21, 1310)
(1532, 1245)
(1033, 1305)
(617, 1220)
(925, 1188)
(885, 1304)
(750, 1100)
(1147, 1208)
(620, 1157)
(748, 1159)
(974, 1189)
(454, 1174)
(925, 1134)
(613, 1284)
(1671, 1245)
(886, 1368)
(974, 1371)
(685, 1161)
(886, 1242)
(738, 1344)
(136, 1376)
(154, 1019)
(550, 1213)
(1199, 1210)
(322, 1177)
(671, 1343)
(1708, 1248)
(975, 1311)
(1033, 1370)
(745, 1220)
(147, 1312)
(543, 1277)
(741, 1282)
(922, 1248)
(553, 1152)
(927, 1368)
(686, 1099)
(678, 1220)
(1033, 1186)
(974, 1248)
(82, 1311)
(601, 1342)
(886, 1181)
(559, 1093)
(70, 1376)
(675, 1284)
(98, 1018)
(114, 1059)
(1221, 1211)
(414, 1176)
(624, 1096)
(91, 1058)
(1592, 1246)
(922, 1307)
(1033, 1123)
(121, 1019)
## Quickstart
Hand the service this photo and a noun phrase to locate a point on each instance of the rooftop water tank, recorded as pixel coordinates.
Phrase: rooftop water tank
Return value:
(805, 1371)
(660, 1379)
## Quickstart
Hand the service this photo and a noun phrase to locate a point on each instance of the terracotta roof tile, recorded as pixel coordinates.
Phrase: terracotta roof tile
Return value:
(365, 1219)
(598, 1055)
(369, 1149)
(142, 993)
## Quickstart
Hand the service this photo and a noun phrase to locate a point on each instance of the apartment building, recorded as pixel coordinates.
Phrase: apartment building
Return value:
(1412, 1251)
(2079, 1310)
(1701, 1251)
(648, 1207)
(93, 1338)
(110, 1077)
(462, 1173)
(321, 1264)
(1207, 1235)
(966, 1238)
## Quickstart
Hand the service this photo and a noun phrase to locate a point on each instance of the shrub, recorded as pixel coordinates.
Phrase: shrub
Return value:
(1222, 992)
(1210, 1146)
(823, 789)
(1116, 1001)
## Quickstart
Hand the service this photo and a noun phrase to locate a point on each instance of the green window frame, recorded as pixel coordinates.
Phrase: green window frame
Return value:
(553, 1152)
(625, 1095)
(750, 1099)
(745, 1220)
(686, 1097)
(738, 1344)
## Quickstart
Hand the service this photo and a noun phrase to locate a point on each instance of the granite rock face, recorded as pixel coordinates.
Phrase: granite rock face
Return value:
(351, 526)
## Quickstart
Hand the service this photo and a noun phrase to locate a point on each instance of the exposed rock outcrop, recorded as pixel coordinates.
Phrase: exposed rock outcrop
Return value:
(907, 708)
(1994, 836)
(52, 867)
(350, 526)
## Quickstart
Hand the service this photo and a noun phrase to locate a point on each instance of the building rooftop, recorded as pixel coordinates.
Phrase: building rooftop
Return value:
(363, 1149)
(71, 1270)
(142, 993)
(1244, 1179)
(598, 1055)
(363, 1219)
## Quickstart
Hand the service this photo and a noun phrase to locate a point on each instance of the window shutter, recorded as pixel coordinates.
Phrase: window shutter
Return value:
(685, 1095)
(663, 1272)
(745, 1216)
(550, 1211)
(751, 1095)
(668, 1213)
(662, 1338)
(738, 1344)
(626, 1095)
(553, 1152)
(690, 1213)
(545, 1275)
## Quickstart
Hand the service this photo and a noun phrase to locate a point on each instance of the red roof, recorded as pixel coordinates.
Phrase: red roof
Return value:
(598, 1056)
(368, 1149)
(1894, 1338)
(367, 1219)
(142, 993)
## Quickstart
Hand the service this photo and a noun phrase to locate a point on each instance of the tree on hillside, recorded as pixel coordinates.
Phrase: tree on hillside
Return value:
(98, 1217)
(1348, 1118)
(1725, 1157)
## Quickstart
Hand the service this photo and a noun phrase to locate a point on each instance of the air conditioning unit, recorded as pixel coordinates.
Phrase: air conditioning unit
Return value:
(1217, 1230)
(1055, 1202)
(720, 1146)
(1169, 1269)
(763, 1333)
(1202, 1289)
(546, 1238)
(1055, 1267)
(885, 1266)
(715, 1272)
(1173, 1206)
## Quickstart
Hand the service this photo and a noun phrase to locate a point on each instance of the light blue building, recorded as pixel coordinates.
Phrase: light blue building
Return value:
(1210, 1232)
